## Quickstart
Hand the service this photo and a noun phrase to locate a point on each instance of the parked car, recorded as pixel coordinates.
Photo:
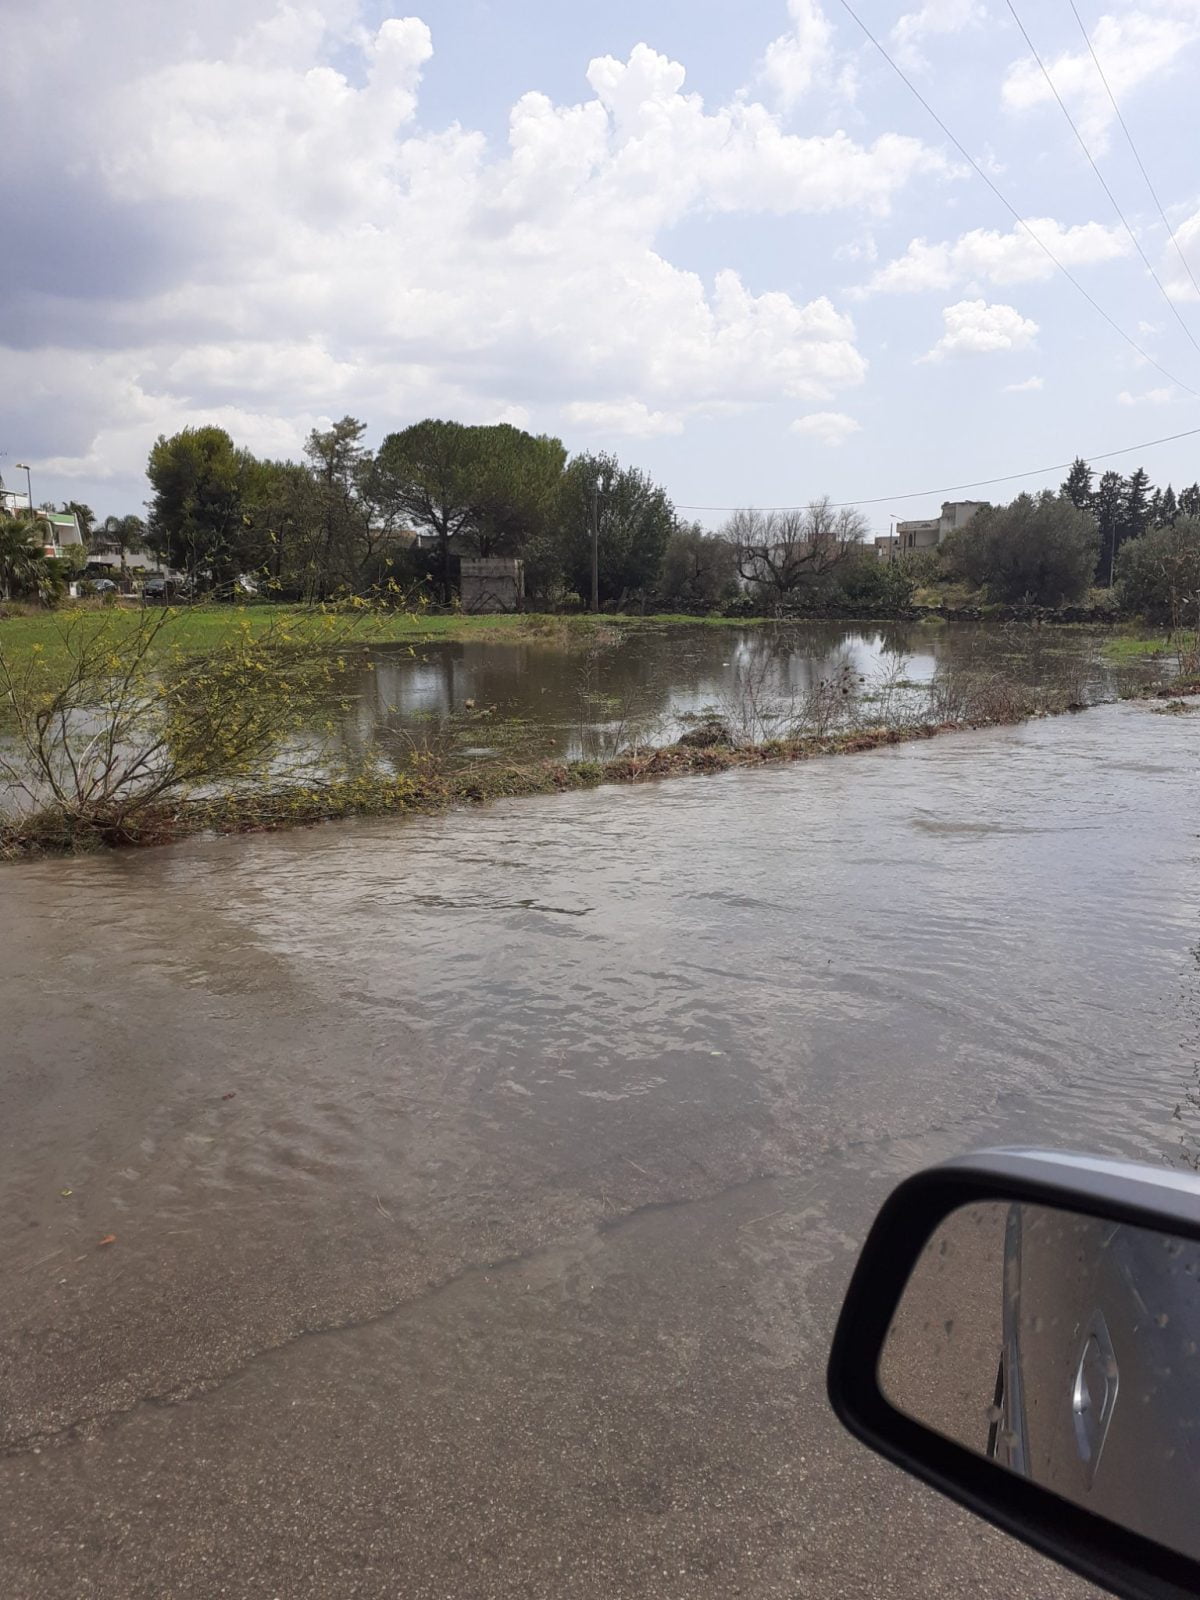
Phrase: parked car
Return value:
(165, 591)
(103, 586)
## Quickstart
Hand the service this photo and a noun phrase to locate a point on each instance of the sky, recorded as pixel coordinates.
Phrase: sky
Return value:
(726, 242)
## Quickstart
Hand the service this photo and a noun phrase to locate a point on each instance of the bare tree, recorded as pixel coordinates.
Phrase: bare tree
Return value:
(782, 551)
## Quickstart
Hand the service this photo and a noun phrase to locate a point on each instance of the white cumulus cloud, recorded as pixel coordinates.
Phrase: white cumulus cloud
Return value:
(973, 327)
(934, 17)
(796, 58)
(274, 237)
(987, 255)
(1134, 47)
(1148, 397)
(630, 417)
(1027, 386)
(1176, 275)
(827, 427)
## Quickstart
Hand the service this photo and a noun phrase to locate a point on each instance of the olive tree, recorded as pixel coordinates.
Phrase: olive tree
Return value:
(782, 553)
(1040, 548)
(1159, 573)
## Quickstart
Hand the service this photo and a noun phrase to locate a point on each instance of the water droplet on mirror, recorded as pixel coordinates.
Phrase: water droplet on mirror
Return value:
(1161, 1319)
(994, 1414)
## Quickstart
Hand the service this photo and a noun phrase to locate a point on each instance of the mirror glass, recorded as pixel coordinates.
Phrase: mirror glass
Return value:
(1065, 1348)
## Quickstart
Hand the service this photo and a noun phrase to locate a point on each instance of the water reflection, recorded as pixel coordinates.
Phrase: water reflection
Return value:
(533, 698)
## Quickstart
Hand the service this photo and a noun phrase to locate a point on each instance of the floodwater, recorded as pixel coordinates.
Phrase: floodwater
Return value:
(481, 1187)
(533, 697)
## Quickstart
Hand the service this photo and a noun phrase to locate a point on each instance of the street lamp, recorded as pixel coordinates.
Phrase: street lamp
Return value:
(21, 467)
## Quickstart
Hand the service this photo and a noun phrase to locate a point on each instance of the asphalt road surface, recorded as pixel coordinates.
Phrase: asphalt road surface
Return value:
(480, 1190)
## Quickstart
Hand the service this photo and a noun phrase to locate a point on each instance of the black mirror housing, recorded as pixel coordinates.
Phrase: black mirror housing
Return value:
(1125, 1562)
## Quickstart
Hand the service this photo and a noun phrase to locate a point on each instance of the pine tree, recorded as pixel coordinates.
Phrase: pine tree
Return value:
(1137, 506)
(1077, 487)
(1109, 507)
(1189, 501)
(1168, 510)
(1154, 513)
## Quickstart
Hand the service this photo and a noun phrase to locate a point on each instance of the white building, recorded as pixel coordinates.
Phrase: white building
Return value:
(928, 532)
(62, 531)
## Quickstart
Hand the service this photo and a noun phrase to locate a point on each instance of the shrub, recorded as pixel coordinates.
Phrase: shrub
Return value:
(698, 570)
(116, 720)
(875, 585)
(1159, 572)
(1039, 549)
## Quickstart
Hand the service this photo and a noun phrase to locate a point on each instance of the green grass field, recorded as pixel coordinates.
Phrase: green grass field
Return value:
(198, 628)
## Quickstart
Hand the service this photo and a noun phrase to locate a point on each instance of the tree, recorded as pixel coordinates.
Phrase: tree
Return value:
(1189, 501)
(339, 466)
(698, 568)
(492, 490)
(426, 474)
(24, 570)
(1077, 487)
(1137, 506)
(1040, 548)
(84, 516)
(781, 552)
(125, 534)
(1168, 509)
(516, 478)
(1109, 508)
(633, 522)
(1159, 573)
(198, 516)
(869, 585)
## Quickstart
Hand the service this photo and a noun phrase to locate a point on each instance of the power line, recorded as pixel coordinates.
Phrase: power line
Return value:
(953, 488)
(1012, 210)
(1136, 156)
(1136, 242)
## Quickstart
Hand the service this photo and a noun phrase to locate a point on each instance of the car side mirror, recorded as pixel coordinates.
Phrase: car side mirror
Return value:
(1022, 1331)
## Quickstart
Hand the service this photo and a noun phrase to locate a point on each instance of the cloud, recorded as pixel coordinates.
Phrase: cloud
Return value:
(988, 256)
(975, 328)
(1179, 284)
(273, 236)
(934, 17)
(1133, 47)
(1149, 397)
(827, 427)
(630, 417)
(1027, 386)
(795, 59)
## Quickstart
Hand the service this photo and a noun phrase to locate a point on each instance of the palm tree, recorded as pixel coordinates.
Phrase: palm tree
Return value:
(23, 568)
(124, 534)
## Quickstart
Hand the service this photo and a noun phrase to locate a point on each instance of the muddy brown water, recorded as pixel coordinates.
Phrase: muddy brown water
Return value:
(533, 697)
(482, 1186)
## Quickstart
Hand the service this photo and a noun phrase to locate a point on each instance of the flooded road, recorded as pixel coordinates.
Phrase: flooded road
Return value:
(481, 1187)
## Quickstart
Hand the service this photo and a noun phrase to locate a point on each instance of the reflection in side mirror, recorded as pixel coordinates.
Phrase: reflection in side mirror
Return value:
(1064, 1347)
(1022, 1331)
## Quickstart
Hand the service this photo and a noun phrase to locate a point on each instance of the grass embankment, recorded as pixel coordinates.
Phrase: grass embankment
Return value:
(435, 790)
(432, 788)
(200, 628)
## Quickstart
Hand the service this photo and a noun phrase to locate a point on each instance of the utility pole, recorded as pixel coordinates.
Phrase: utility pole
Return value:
(596, 546)
(21, 467)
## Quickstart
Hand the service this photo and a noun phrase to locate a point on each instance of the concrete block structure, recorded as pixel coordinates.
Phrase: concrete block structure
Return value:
(494, 584)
